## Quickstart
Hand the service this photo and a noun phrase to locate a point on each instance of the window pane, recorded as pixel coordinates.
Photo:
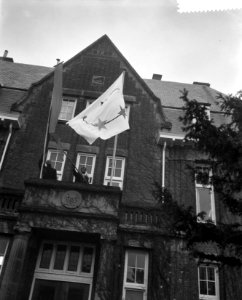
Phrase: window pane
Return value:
(89, 169)
(211, 288)
(118, 164)
(60, 257)
(140, 261)
(131, 259)
(109, 171)
(82, 160)
(202, 273)
(139, 276)
(44, 290)
(73, 259)
(131, 275)
(53, 156)
(60, 156)
(203, 287)
(89, 160)
(56, 290)
(87, 259)
(134, 295)
(117, 173)
(46, 256)
(58, 166)
(204, 198)
(78, 291)
(211, 273)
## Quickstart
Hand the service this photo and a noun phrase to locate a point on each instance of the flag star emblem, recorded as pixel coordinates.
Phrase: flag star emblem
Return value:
(101, 124)
(122, 112)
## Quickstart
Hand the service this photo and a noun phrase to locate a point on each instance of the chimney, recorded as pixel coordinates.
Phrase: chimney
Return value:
(201, 83)
(5, 57)
(156, 76)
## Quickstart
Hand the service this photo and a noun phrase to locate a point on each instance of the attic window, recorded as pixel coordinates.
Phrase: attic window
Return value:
(98, 80)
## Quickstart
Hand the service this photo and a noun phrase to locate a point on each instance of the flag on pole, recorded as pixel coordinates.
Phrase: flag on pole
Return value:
(105, 117)
(56, 100)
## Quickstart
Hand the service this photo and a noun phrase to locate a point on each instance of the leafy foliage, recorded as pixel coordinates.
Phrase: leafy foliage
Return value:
(221, 142)
(222, 145)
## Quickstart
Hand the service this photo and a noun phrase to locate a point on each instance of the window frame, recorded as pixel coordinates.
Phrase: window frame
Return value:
(118, 180)
(67, 99)
(3, 255)
(59, 173)
(91, 175)
(210, 187)
(136, 286)
(216, 281)
(64, 275)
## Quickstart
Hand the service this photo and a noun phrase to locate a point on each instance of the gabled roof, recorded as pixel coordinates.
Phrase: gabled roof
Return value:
(170, 93)
(20, 76)
(8, 97)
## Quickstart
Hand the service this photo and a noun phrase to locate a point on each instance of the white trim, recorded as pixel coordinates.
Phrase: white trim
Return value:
(6, 145)
(212, 198)
(171, 136)
(163, 165)
(60, 172)
(64, 275)
(216, 282)
(115, 179)
(91, 174)
(136, 286)
(68, 99)
(5, 251)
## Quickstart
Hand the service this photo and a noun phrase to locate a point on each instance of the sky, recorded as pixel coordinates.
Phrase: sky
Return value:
(167, 37)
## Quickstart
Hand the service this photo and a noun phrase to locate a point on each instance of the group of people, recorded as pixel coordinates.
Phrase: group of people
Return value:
(50, 173)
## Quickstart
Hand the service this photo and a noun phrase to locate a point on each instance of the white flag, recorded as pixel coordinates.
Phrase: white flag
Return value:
(105, 117)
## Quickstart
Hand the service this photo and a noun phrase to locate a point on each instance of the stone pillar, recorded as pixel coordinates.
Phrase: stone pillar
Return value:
(105, 273)
(13, 274)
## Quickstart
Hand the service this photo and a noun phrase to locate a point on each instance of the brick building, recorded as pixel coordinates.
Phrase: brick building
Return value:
(66, 240)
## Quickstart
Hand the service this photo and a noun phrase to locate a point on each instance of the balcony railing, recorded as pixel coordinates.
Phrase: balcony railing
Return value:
(10, 202)
(139, 216)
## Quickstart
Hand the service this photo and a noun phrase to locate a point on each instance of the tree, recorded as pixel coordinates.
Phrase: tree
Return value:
(222, 145)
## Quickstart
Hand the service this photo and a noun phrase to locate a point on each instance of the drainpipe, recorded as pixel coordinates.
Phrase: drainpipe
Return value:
(6, 145)
(163, 165)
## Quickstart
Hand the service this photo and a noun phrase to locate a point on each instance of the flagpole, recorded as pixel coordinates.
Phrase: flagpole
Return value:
(113, 158)
(55, 107)
(115, 145)
(45, 144)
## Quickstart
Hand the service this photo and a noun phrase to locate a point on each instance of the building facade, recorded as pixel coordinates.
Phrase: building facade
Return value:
(60, 239)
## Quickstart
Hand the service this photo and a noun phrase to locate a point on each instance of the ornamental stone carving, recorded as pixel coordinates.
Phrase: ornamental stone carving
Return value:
(71, 199)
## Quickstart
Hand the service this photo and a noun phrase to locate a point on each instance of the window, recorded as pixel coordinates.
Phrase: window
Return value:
(208, 282)
(64, 269)
(205, 204)
(57, 159)
(135, 275)
(3, 249)
(67, 109)
(88, 161)
(98, 80)
(118, 171)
